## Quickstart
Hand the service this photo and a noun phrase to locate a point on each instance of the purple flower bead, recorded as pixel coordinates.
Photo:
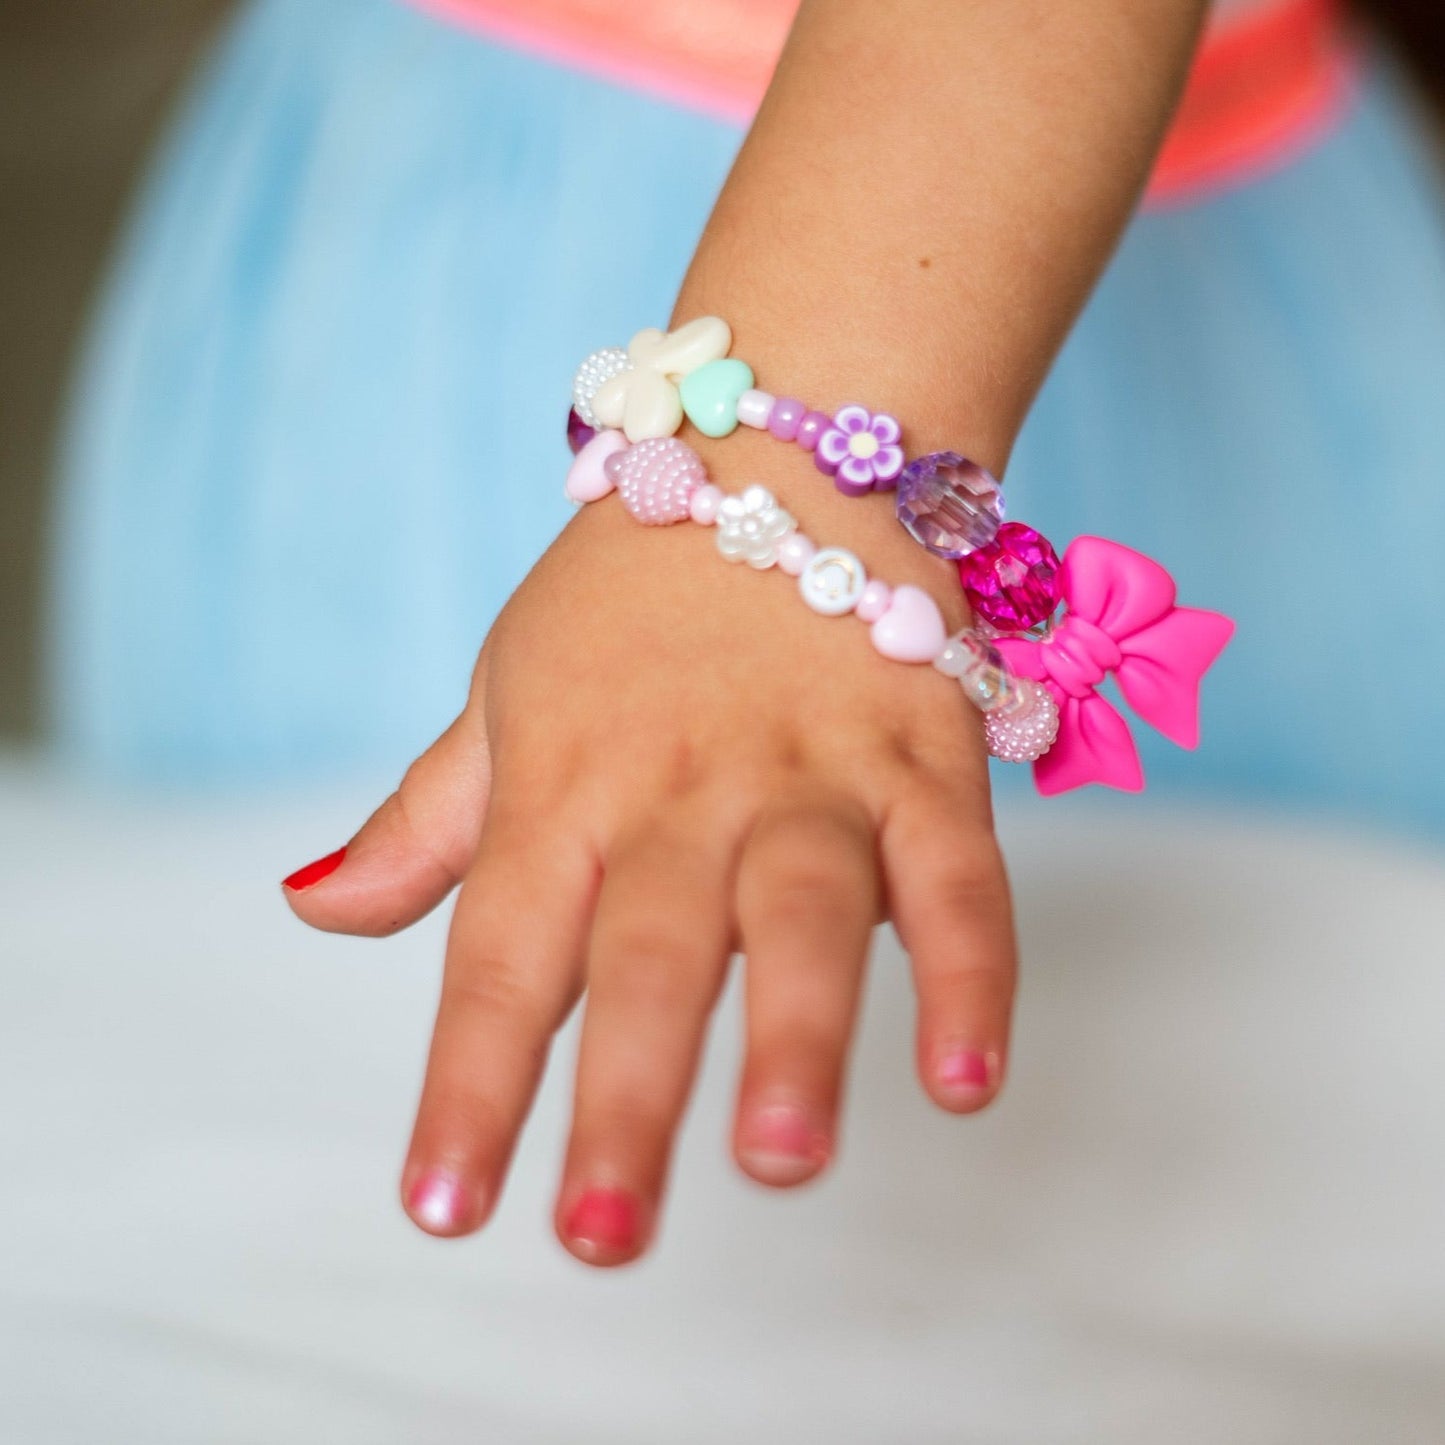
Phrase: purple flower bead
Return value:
(860, 451)
(783, 420)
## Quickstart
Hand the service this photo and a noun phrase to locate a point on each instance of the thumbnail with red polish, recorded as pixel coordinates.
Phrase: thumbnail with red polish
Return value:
(313, 873)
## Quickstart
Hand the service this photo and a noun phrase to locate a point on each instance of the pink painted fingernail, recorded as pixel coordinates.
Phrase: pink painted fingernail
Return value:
(604, 1225)
(966, 1075)
(437, 1201)
(780, 1144)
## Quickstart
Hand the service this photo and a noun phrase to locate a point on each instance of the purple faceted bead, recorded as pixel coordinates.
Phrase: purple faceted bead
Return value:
(949, 504)
(578, 432)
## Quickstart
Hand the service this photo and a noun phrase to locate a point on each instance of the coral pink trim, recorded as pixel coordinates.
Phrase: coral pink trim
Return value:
(710, 57)
(1265, 87)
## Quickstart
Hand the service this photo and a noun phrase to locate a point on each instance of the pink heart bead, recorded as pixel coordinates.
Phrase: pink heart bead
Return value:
(912, 629)
(587, 479)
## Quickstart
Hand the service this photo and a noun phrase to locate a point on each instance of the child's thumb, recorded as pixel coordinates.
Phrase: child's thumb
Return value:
(412, 851)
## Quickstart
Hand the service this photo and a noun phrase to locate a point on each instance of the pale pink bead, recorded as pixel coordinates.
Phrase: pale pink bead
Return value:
(874, 601)
(703, 505)
(1024, 732)
(656, 479)
(795, 553)
(754, 408)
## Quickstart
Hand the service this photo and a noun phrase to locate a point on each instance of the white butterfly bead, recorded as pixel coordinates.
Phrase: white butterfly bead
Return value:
(644, 401)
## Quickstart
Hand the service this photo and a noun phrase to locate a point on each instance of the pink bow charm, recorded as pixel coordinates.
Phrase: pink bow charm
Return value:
(1121, 618)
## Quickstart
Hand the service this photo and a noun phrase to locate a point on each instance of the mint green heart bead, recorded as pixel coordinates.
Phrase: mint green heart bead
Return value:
(710, 395)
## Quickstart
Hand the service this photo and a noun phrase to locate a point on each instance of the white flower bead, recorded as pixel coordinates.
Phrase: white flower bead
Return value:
(751, 527)
(595, 372)
(833, 581)
(643, 400)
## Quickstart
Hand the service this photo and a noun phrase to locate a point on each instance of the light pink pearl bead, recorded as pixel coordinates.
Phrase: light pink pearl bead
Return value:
(754, 408)
(874, 601)
(795, 553)
(702, 506)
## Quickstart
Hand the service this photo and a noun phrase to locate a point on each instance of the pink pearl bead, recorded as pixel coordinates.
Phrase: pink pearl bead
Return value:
(795, 554)
(656, 479)
(754, 409)
(874, 601)
(811, 428)
(702, 506)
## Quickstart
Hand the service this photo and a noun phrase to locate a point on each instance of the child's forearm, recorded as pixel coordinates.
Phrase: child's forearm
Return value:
(928, 193)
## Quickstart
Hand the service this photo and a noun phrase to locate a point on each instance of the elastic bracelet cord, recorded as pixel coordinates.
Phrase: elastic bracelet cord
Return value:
(1049, 630)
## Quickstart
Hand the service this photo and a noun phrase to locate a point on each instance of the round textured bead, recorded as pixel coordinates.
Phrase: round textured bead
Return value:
(578, 432)
(710, 395)
(874, 601)
(949, 504)
(787, 413)
(754, 409)
(703, 504)
(795, 553)
(1024, 732)
(832, 582)
(812, 426)
(1013, 582)
(657, 478)
(600, 367)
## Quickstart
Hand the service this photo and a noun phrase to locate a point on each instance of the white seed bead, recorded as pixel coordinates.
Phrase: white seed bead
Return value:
(833, 581)
(754, 408)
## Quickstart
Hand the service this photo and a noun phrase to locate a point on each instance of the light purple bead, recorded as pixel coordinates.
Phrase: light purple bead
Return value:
(949, 504)
(874, 601)
(811, 428)
(783, 420)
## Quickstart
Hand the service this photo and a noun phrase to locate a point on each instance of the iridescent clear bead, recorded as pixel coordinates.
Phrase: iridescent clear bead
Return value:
(949, 504)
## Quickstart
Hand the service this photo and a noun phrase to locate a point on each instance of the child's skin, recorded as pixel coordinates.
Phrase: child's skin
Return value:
(665, 758)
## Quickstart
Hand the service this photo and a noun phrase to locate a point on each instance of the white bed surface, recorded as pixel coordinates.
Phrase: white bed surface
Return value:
(1209, 1208)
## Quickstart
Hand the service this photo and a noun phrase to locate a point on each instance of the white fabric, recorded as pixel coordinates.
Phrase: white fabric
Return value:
(1208, 1210)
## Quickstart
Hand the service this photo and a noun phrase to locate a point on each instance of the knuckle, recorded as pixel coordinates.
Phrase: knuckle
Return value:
(650, 968)
(492, 988)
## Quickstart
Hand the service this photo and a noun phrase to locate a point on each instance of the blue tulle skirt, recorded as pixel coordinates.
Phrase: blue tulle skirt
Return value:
(317, 435)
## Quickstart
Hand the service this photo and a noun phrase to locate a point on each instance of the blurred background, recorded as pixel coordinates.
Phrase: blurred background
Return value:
(84, 90)
(244, 588)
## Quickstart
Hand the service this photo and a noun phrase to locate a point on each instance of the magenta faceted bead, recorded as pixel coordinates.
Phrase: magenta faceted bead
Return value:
(949, 504)
(578, 432)
(1014, 581)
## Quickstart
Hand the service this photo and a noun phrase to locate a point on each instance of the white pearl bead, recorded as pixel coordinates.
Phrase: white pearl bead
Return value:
(754, 408)
(832, 582)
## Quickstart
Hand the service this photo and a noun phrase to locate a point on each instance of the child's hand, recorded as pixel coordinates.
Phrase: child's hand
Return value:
(666, 757)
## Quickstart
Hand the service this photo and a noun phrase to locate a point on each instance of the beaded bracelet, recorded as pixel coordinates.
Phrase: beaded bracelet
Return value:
(1118, 609)
(662, 481)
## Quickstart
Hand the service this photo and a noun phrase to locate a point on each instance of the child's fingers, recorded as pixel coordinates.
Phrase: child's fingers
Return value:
(412, 851)
(656, 962)
(808, 898)
(513, 971)
(949, 898)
